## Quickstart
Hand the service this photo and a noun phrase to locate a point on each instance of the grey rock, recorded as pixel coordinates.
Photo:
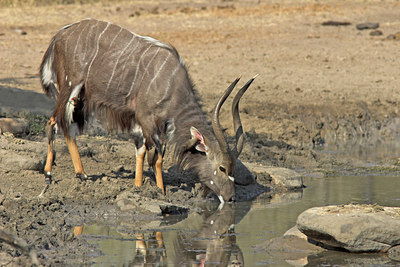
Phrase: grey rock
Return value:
(394, 253)
(13, 125)
(285, 177)
(376, 33)
(277, 176)
(290, 248)
(294, 231)
(13, 161)
(130, 201)
(356, 228)
(367, 25)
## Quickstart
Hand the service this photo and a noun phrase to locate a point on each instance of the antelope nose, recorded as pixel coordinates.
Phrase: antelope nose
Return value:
(232, 199)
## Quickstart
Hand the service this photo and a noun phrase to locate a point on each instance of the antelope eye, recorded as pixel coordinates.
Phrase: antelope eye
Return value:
(222, 169)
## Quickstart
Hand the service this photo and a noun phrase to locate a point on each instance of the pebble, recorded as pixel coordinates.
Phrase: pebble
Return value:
(395, 36)
(367, 25)
(376, 33)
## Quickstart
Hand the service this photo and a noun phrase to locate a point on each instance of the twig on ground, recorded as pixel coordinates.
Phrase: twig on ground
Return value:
(20, 244)
(43, 191)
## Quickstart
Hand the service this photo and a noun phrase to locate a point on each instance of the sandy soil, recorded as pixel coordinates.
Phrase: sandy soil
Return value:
(316, 85)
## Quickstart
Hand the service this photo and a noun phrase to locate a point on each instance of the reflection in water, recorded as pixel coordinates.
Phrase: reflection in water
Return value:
(151, 253)
(229, 236)
(215, 242)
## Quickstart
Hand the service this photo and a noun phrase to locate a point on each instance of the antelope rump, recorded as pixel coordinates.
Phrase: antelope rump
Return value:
(138, 85)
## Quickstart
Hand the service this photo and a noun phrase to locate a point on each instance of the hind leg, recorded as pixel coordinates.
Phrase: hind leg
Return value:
(74, 153)
(154, 160)
(51, 133)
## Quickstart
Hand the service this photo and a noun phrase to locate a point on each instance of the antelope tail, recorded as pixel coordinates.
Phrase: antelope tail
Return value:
(47, 74)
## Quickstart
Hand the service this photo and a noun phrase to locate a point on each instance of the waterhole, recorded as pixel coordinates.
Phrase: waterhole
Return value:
(233, 235)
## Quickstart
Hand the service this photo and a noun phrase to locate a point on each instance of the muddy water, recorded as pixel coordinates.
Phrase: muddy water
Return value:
(236, 233)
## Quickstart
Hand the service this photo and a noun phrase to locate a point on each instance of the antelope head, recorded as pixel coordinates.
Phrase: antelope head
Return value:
(217, 170)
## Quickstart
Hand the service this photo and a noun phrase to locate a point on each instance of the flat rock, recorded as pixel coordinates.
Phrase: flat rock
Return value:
(355, 228)
(130, 201)
(278, 176)
(285, 177)
(367, 25)
(294, 231)
(11, 160)
(394, 253)
(289, 247)
(13, 125)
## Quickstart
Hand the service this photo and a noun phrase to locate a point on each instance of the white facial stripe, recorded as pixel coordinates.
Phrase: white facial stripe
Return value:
(221, 199)
(215, 172)
(231, 178)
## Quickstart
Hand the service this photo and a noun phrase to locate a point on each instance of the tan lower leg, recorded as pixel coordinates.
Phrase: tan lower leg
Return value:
(140, 153)
(159, 178)
(160, 243)
(78, 230)
(159, 239)
(50, 148)
(50, 157)
(140, 244)
(73, 151)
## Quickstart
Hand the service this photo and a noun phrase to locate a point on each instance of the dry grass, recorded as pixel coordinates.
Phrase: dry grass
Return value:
(38, 3)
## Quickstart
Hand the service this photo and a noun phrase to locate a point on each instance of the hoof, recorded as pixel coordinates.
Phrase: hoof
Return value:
(81, 176)
(48, 177)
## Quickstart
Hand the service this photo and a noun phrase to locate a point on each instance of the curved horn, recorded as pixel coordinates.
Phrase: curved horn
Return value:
(215, 121)
(237, 124)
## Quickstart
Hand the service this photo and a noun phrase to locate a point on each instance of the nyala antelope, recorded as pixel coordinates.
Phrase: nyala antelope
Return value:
(139, 85)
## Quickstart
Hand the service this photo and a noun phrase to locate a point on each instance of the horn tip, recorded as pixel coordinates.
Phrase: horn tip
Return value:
(255, 76)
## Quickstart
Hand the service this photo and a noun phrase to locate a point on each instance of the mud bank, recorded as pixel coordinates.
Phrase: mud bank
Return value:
(46, 220)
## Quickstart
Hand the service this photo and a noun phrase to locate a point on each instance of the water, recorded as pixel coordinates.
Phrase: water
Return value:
(236, 232)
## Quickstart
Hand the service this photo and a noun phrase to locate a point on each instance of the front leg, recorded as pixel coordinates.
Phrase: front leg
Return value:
(140, 154)
(159, 178)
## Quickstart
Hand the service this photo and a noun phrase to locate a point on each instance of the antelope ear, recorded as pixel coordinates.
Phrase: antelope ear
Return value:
(198, 138)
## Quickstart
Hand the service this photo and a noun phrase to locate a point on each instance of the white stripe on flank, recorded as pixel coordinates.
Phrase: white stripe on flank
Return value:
(69, 107)
(76, 46)
(166, 91)
(149, 63)
(136, 71)
(69, 36)
(115, 37)
(116, 63)
(126, 61)
(158, 72)
(97, 49)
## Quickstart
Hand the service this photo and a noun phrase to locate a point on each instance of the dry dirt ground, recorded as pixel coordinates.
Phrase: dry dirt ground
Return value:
(317, 85)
